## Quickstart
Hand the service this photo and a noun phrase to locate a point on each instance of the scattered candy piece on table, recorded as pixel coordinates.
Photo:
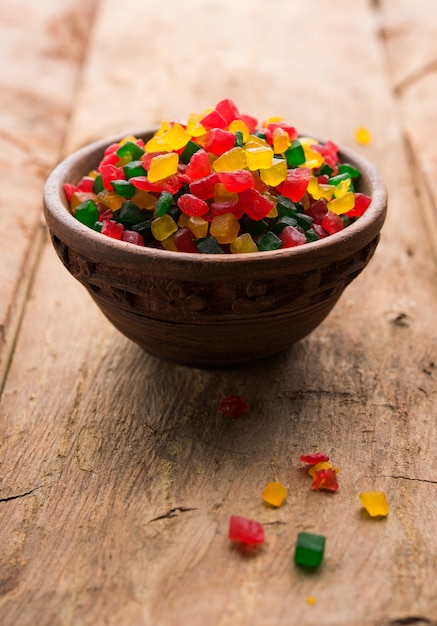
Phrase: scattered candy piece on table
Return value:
(310, 549)
(313, 459)
(274, 493)
(245, 530)
(375, 503)
(311, 600)
(233, 406)
(363, 136)
(325, 479)
(241, 175)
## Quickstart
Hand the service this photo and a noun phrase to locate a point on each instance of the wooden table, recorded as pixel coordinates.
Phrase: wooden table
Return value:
(118, 474)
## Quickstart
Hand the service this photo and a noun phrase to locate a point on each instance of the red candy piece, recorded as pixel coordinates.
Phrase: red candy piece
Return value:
(332, 223)
(251, 122)
(296, 183)
(69, 190)
(183, 240)
(85, 184)
(219, 208)
(317, 211)
(204, 187)
(361, 203)
(199, 165)
(192, 205)
(236, 181)
(219, 141)
(313, 459)
(172, 184)
(132, 237)
(292, 132)
(325, 479)
(112, 229)
(254, 204)
(245, 530)
(228, 109)
(291, 237)
(214, 120)
(233, 406)
(109, 173)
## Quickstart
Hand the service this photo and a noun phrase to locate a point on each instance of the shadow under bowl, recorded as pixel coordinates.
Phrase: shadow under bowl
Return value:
(211, 310)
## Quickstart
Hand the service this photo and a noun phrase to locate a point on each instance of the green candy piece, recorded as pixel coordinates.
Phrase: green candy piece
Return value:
(269, 241)
(188, 151)
(238, 139)
(347, 168)
(294, 154)
(303, 220)
(163, 203)
(282, 222)
(129, 213)
(98, 184)
(336, 180)
(210, 245)
(124, 188)
(311, 235)
(253, 227)
(134, 168)
(130, 150)
(144, 229)
(87, 213)
(310, 549)
(285, 206)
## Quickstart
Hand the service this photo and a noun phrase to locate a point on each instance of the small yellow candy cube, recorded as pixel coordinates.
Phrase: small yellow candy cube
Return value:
(274, 493)
(375, 503)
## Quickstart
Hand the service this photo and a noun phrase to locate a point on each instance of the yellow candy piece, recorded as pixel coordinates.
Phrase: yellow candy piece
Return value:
(221, 194)
(281, 140)
(169, 243)
(363, 136)
(375, 503)
(318, 191)
(311, 600)
(177, 137)
(343, 204)
(274, 493)
(241, 126)
(255, 142)
(183, 220)
(110, 199)
(233, 159)
(93, 174)
(162, 166)
(165, 126)
(157, 144)
(198, 226)
(163, 227)
(323, 465)
(224, 228)
(144, 199)
(194, 127)
(275, 174)
(259, 158)
(342, 188)
(243, 244)
(314, 159)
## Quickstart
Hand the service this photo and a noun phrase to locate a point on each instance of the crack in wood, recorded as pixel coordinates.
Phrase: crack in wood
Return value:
(419, 480)
(412, 620)
(20, 495)
(175, 512)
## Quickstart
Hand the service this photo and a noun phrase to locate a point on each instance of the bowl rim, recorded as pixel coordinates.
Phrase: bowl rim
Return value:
(98, 248)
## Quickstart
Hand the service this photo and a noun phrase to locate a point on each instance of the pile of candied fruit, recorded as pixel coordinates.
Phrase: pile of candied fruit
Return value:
(220, 183)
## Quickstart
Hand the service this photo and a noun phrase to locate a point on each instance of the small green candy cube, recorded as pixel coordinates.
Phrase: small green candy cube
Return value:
(309, 550)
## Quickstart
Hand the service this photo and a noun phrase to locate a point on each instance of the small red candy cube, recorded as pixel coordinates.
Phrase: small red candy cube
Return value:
(245, 530)
(233, 406)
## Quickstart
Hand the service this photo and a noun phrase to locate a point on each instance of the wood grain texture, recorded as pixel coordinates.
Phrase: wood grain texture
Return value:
(118, 472)
(42, 46)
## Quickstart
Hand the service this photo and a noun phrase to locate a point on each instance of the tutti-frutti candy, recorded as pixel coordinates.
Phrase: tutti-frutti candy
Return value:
(221, 183)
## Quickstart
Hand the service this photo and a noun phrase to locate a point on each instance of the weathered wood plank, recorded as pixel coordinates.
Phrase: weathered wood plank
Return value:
(42, 45)
(119, 474)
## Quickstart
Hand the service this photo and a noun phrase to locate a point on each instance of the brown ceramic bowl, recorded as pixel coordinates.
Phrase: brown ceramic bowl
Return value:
(211, 310)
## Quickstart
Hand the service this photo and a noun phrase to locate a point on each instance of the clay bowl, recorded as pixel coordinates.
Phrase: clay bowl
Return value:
(211, 310)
